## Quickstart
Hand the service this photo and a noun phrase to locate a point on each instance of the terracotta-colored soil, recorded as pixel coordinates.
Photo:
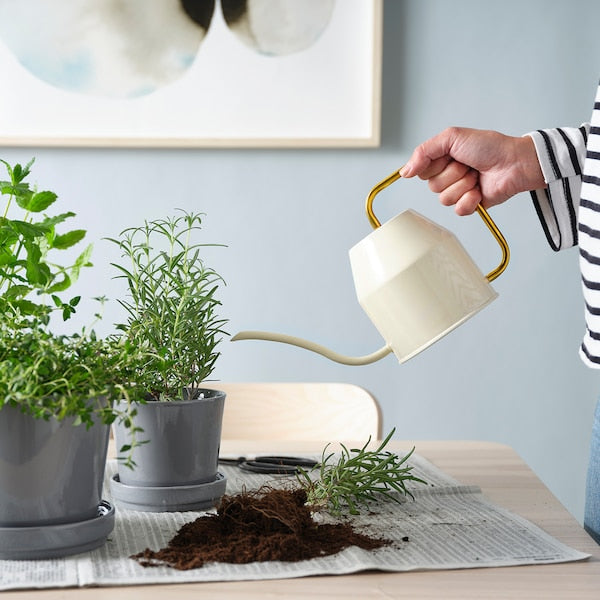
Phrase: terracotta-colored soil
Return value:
(264, 525)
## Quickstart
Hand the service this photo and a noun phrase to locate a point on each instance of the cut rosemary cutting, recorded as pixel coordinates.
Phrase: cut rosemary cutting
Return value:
(357, 476)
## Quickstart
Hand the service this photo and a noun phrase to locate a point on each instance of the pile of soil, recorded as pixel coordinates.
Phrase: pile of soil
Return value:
(262, 525)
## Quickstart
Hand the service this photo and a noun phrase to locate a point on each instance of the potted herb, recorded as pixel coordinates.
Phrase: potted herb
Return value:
(56, 391)
(171, 309)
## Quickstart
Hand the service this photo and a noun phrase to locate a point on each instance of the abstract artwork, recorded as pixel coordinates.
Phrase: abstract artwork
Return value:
(195, 73)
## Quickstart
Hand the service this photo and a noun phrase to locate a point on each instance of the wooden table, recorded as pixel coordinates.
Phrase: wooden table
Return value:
(504, 479)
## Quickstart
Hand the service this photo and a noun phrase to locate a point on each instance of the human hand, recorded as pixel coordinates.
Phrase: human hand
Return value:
(467, 167)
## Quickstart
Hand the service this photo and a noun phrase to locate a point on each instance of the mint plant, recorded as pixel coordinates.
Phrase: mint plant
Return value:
(171, 305)
(26, 247)
(42, 373)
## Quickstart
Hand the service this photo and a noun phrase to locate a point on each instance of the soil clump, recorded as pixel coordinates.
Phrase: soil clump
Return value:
(268, 524)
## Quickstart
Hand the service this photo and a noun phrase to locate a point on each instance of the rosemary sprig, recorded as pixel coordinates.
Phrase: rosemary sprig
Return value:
(357, 477)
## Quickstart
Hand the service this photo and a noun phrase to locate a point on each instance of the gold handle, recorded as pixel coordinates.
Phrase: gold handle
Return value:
(482, 213)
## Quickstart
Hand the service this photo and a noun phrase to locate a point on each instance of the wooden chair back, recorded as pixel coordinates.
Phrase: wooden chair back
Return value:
(299, 411)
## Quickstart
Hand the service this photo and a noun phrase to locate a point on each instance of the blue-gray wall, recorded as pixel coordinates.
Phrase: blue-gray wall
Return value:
(512, 373)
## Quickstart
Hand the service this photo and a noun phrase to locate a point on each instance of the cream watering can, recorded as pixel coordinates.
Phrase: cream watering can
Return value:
(414, 280)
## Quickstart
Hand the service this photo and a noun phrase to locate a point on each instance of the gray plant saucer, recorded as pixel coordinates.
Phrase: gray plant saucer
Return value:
(202, 496)
(53, 541)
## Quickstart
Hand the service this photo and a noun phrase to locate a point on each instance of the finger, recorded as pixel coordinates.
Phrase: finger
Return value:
(459, 189)
(468, 202)
(448, 176)
(435, 167)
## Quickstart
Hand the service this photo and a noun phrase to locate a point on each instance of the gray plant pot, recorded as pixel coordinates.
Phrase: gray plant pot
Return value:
(51, 476)
(177, 469)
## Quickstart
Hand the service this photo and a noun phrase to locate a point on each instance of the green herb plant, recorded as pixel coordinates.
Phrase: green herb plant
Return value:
(171, 305)
(26, 245)
(358, 476)
(45, 374)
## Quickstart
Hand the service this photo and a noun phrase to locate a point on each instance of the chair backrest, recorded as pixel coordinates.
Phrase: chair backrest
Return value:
(299, 411)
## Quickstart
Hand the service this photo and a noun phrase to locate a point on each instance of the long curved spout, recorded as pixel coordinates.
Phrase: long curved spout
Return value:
(301, 343)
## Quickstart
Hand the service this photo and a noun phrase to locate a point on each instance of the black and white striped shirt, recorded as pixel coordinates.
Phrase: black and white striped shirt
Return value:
(569, 210)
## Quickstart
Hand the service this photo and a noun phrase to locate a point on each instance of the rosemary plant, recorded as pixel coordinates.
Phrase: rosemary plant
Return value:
(44, 374)
(357, 477)
(171, 304)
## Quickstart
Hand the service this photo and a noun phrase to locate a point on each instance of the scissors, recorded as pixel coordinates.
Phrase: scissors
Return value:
(278, 465)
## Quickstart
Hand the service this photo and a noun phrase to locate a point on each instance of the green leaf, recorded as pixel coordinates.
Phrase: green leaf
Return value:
(83, 260)
(69, 239)
(27, 230)
(18, 173)
(41, 201)
(22, 195)
(18, 190)
(61, 285)
(50, 222)
(26, 307)
(37, 272)
(8, 236)
(16, 291)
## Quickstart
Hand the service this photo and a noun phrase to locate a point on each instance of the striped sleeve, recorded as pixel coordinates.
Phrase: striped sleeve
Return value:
(561, 154)
(589, 242)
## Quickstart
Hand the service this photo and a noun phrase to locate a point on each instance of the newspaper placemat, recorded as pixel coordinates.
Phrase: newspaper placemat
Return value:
(446, 526)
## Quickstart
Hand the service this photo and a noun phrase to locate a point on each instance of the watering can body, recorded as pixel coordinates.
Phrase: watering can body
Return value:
(416, 282)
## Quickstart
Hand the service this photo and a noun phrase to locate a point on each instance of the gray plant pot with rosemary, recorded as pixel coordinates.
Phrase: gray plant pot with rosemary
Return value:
(176, 463)
(172, 319)
(51, 476)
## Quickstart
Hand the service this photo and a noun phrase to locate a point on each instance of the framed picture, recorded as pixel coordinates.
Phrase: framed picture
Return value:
(198, 74)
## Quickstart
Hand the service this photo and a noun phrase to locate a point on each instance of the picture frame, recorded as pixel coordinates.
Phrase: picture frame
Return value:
(327, 95)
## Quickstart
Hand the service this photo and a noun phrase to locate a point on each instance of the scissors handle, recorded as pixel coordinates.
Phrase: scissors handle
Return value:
(309, 463)
(277, 465)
